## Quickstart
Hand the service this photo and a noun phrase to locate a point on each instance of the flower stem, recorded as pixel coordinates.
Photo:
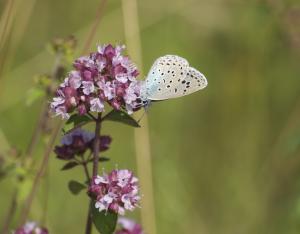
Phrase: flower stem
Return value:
(10, 213)
(96, 145)
(39, 174)
(96, 155)
(86, 171)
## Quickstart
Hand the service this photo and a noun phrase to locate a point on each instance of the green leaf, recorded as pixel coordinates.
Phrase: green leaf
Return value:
(75, 187)
(101, 159)
(33, 95)
(76, 121)
(122, 117)
(104, 221)
(69, 165)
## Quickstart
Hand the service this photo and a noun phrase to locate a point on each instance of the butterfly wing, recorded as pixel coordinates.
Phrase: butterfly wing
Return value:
(164, 76)
(193, 82)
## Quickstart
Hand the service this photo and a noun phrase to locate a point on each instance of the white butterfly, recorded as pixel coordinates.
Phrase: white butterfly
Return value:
(170, 77)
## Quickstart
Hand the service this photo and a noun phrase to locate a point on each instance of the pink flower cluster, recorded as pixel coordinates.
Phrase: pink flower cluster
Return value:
(103, 76)
(116, 191)
(31, 228)
(128, 226)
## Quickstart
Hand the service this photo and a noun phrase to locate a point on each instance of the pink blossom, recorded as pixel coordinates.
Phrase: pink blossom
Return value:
(128, 226)
(116, 191)
(130, 95)
(57, 101)
(88, 87)
(62, 111)
(74, 79)
(96, 105)
(31, 228)
(108, 89)
(104, 76)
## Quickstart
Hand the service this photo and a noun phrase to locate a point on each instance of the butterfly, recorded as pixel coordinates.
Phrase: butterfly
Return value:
(170, 77)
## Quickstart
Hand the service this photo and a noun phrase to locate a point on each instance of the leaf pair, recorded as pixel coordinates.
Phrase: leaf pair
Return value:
(76, 120)
(72, 164)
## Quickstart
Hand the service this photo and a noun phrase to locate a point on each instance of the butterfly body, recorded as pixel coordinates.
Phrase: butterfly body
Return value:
(170, 77)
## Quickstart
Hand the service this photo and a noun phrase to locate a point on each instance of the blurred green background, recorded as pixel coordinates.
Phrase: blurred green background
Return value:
(226, 159)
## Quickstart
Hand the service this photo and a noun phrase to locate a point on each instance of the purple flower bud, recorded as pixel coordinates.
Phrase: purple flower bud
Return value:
(105, 142)
(69, 103)
(102, 95)
(79, 144)
(135, 73)
(82, 109)
(109, 51)
(87, 75)
(74, 143)
(116, 104)
(119, 69)
(64, 152)
(69, 92)
(120, 90)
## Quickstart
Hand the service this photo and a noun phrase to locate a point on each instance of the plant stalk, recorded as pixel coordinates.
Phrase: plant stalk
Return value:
(38, 176)
(10, 213)
(96, 155)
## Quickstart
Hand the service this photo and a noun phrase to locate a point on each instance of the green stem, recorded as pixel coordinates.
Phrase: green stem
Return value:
(39, 174)
(10, 213)
(96, 156)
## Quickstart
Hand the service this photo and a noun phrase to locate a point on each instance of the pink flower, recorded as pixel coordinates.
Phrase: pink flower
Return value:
(62, 111)
(130, 94)
(88, 87)
(128, 226)
(103, 76)
(108, 89)
(74, 79)
(57, 101)
(31, 228)
(117, 191)
(96, 105)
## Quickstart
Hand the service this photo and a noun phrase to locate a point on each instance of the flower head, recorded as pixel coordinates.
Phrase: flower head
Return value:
(116, 191)
(128, 226)
(31, 228)
(103, 76)
(78, 142)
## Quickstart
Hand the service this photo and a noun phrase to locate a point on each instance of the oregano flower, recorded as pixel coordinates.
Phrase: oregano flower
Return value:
(105, 76)
(128, 226)
(116, 191)
(31, 228)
